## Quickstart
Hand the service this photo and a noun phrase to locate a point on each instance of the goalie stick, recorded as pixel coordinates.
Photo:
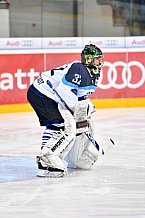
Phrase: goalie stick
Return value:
(94, 142)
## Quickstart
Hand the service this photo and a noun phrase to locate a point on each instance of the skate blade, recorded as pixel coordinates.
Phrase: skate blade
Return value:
(48, 174)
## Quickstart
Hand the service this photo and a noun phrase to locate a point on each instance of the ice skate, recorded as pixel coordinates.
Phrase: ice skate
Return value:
(49, 172)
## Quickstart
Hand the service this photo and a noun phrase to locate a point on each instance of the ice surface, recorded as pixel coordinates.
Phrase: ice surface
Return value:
(115, 188)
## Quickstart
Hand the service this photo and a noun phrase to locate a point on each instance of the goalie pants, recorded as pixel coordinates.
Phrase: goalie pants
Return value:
(45, 108)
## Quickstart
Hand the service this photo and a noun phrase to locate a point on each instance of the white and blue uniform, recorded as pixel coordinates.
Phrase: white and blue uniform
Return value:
(72, 81)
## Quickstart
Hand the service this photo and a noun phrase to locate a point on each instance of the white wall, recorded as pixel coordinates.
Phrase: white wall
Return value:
(4, 23)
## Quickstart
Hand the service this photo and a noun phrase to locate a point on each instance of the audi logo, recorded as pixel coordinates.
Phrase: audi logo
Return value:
(127, 75)
(70, 42)
(111, 42)
(27, 43)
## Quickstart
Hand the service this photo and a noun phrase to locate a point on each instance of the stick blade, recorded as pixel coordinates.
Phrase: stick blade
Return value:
(106, 144)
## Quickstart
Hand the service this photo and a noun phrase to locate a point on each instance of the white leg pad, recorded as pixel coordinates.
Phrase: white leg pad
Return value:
(59, 145)
(87, 159)
(83, 154)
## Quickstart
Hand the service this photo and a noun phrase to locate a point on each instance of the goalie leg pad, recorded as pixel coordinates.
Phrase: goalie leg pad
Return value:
(59, 144)
(56, 147)
(83, 154)
(50, 162)
(87, 159)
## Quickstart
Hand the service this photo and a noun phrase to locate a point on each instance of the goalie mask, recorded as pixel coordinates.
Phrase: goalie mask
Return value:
(92, 58)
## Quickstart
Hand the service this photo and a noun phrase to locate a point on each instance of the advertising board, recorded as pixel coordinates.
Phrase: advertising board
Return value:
(122, 77)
